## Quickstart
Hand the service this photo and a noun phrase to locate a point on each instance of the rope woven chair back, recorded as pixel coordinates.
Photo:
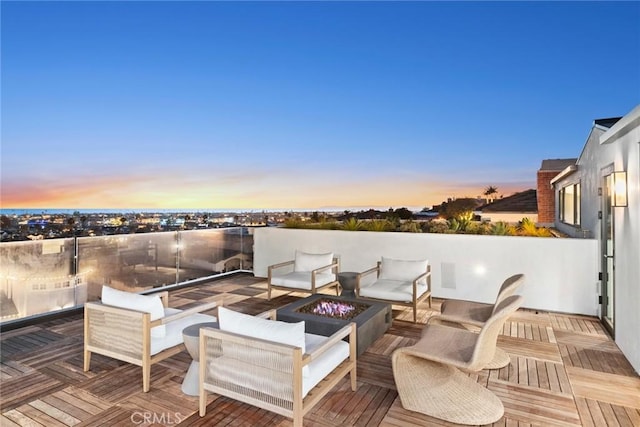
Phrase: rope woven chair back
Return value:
(508, 288)
(485, 347)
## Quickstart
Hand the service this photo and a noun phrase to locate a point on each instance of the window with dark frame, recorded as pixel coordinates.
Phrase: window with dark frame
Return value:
(569, 198)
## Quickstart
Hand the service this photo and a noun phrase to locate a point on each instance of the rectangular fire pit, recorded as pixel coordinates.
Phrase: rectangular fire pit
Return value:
(373, 318)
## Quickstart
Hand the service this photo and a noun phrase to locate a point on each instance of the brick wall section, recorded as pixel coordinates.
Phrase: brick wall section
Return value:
(546, 197)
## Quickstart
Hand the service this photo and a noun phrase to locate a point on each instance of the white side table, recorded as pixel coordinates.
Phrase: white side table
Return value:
(191, 336)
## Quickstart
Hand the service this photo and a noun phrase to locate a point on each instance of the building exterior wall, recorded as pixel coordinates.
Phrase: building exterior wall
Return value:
(590, 179)
(617, 149)
(623, 146)
(546, 198)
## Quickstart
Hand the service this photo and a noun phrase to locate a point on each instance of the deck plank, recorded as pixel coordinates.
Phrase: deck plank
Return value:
(565, 371)
(609, 388)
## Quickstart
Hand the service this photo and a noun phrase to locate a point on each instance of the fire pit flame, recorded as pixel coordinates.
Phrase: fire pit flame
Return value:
(326, 307)
(334, 309)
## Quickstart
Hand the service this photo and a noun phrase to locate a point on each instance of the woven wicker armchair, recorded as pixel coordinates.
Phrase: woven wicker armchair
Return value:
(399, 282)
(274, 375)
(475, 314)
(305, 273)
(132, 336)
(430, 375)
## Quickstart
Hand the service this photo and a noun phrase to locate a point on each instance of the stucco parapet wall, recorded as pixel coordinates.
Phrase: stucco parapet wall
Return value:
(562, 274)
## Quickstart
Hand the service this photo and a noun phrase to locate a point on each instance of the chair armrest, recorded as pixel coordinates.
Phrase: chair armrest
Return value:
(269, 314)
(337, 336)
(185, 313)
(326, 267)
(365, 273)
(164, 296)
(426, 274)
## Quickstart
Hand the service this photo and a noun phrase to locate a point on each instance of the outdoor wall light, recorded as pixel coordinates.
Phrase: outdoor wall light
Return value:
(619, 184)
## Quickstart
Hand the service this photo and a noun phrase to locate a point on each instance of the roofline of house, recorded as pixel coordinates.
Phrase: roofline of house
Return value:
(622, 126)
(565, 173)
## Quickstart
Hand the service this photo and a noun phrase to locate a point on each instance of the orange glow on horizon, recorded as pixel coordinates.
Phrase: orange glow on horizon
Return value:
(266, 192)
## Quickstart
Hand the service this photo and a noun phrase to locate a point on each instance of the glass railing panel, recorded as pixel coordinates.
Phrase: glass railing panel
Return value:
(131, 262)
(247, 248)
(204, 253)
(38, 277)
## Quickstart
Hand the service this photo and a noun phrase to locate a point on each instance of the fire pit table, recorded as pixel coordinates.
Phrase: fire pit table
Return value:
(372, 318)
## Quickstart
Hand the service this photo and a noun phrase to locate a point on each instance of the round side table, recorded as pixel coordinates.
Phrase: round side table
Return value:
(191, 336)
(347, 280)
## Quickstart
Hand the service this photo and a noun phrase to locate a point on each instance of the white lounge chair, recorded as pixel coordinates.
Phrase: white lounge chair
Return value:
(305, 273)
(138, 329)
(271, 364)
(400, 282)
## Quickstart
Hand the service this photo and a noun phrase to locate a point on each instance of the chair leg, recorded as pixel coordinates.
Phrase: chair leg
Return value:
(202, 403)
(442, 391)
(268, 292)
(353, 377)
(87, 360)
(146, 376)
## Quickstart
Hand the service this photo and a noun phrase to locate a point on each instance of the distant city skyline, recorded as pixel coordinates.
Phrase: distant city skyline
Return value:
(301, 105)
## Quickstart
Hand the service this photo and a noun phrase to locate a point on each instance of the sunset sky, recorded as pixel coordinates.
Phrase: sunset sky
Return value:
(301, 105)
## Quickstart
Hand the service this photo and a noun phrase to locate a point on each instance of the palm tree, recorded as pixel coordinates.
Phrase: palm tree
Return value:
(489, 191)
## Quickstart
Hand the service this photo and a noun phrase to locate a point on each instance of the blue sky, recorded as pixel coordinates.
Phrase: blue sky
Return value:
(301, 105)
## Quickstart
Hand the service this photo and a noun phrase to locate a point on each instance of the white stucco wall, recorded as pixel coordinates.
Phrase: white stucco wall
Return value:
(622, 147)
(617, 149)
(561, 273)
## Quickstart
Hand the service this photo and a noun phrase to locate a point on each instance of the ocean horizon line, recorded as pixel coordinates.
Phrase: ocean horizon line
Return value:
(112, 211)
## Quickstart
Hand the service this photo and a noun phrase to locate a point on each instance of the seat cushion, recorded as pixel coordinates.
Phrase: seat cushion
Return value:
(308, 262)
(302, 280)
(393, 290)
(146, 303)
(403, 270)
(173, 335)
(323, 365)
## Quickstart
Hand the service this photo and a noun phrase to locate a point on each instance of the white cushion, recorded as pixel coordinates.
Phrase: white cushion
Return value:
(309, 262)
(174, 329)
(257, 327)
(395, 269)
(393, 290)
(146, 303)
(302, 280)
(324, 364)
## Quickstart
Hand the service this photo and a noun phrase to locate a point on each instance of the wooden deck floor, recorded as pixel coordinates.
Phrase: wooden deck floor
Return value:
(564, 371)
